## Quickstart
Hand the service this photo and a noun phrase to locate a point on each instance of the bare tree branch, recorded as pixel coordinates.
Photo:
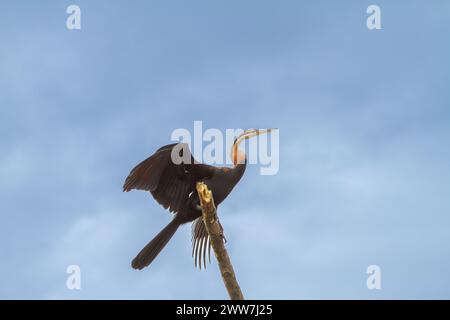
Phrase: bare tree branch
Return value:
(215, 233)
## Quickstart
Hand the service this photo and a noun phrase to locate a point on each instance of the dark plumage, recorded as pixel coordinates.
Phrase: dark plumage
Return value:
(174, 187)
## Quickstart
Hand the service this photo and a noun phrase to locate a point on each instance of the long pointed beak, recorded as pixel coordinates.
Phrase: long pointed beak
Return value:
(262, 131)
(247, 134)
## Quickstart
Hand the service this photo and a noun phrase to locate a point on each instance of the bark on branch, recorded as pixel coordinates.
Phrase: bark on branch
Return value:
(216, 238)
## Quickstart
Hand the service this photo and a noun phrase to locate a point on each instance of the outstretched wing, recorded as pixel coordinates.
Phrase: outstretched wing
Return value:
(169, 183)
(146, 175)
(172, 185)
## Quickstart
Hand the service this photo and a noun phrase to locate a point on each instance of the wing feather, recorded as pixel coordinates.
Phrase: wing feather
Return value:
(172, 186)
(169, 183)
(200, 242)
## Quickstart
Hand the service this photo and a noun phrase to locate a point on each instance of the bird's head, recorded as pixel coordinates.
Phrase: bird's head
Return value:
(238, 156)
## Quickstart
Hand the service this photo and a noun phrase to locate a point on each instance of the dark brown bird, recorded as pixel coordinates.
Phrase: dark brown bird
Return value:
(173, 185)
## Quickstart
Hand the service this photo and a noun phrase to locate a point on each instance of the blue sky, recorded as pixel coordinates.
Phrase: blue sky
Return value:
(364, 145)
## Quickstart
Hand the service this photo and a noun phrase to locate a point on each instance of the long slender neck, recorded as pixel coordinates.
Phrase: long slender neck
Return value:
(238, 170)
(237, 156)
(239, 163)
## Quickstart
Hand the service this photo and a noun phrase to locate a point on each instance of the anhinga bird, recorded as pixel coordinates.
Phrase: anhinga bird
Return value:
(174, 187)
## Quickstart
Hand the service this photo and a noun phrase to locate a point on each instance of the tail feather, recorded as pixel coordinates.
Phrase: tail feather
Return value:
(154, 247)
